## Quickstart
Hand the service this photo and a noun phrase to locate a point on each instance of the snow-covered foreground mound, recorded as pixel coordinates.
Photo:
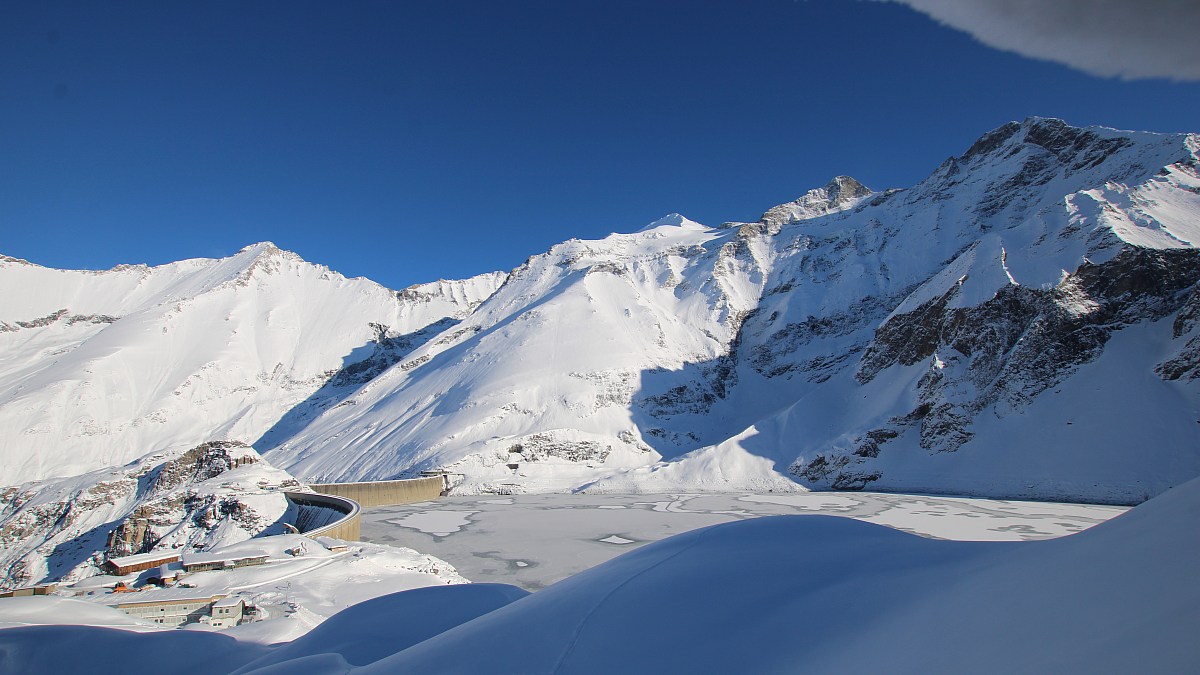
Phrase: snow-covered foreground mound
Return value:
(825, 594)
(789, 594)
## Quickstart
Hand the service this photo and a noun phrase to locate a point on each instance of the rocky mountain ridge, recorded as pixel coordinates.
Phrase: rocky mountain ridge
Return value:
(1019, 324)
(215, 494)
(712, 356)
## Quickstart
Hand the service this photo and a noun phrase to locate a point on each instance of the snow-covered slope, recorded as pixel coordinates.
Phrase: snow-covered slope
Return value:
(546, 371)
(100, 368)
(954, 336)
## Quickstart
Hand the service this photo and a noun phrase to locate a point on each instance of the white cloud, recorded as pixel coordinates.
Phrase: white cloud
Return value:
(1129, 39)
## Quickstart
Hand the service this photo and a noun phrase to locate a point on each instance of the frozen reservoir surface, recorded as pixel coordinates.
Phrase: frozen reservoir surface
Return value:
(533, 541)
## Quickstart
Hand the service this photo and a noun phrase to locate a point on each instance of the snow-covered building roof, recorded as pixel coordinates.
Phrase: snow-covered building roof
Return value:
(141, 561)
(208, 558)
(164, 596)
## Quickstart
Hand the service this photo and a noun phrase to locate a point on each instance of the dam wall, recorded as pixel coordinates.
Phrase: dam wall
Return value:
(386, 492)
(323, 515)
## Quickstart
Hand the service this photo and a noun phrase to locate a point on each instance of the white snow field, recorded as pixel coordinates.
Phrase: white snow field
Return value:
(533, 541)
(787, 594)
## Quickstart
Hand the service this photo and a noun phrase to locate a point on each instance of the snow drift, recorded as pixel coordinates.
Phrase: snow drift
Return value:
(795, 594)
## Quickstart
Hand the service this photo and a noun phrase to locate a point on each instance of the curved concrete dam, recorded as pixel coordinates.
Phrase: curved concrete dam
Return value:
(333, 509)
(325, 515)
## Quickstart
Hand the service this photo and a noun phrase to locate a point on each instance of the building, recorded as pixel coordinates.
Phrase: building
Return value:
(203, 562)
(165, 575)
(332, 545)
(136, 563)
(173, 607)
(46, 589)
(227, 612)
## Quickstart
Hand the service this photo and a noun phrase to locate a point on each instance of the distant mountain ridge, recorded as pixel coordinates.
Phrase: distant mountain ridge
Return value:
(102, 368)
(1022, 323)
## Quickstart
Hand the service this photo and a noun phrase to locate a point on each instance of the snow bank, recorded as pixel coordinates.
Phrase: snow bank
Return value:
(831, 595)
(795, 594)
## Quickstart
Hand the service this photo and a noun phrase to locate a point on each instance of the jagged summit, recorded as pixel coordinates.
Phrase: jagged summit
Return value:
(1078, 148)
(260, 247)
(841, 193)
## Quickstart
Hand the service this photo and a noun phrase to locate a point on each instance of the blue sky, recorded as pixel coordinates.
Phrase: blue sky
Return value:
(410, 141)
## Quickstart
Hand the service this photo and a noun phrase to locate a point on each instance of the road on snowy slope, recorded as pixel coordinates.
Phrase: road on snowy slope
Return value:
(533, 541)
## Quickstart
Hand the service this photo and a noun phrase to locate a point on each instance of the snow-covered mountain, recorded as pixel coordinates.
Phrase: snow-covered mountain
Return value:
(1023, 322)
(98, 369)
(1020, 323)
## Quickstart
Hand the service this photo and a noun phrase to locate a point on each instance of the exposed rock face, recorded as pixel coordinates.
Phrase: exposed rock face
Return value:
(216, 493)
(1008, 350)
(839, 194)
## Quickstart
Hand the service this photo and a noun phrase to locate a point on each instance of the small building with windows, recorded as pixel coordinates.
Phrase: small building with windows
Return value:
(203, 562)
(45, 589)
(227, 612)
(173, 607)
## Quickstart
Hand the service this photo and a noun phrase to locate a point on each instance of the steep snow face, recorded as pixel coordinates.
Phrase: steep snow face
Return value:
(100, 368)
(905, 339)
(561, 372)
(974, 302)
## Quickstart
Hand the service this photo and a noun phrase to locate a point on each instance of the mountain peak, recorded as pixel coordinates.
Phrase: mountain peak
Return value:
(839, 194)
(671, 219)
(261, 248)
(1078, 147)
(17, 261)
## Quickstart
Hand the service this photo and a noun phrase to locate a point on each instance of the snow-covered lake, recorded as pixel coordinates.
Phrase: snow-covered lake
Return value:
(533, 541)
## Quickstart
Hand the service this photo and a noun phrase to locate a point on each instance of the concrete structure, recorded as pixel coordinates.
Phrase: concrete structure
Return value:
(136, 563)
(29, 590)
(227, 612)
(387, 492)
(328, 515)
(203, 562)
(173, 607)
